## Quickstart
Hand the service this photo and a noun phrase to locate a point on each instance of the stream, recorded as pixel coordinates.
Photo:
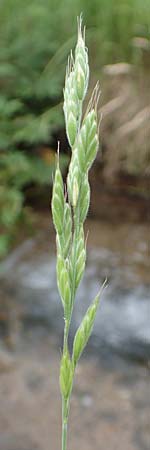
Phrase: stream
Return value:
(117, 252)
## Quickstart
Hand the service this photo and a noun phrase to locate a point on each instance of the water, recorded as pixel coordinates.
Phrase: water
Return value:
(119, 253)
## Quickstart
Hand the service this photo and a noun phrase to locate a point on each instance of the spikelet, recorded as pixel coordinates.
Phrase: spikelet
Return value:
(71, 103)
(63, 282)
(78, 257)
(84, 331)
(88, 141)
(67, 235)
(84, 199)
(64, 240)
(66, 375)
(81, 63)
(58, 201)
(74, 179)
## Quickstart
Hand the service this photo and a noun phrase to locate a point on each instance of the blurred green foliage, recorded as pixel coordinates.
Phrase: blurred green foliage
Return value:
(34, 44)
(18, 170)
(35, 37)
(115, 23)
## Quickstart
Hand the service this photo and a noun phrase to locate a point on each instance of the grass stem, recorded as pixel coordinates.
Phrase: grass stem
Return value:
(64, 424)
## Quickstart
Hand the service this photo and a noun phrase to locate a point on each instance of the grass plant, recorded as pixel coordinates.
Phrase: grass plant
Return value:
(70, 204)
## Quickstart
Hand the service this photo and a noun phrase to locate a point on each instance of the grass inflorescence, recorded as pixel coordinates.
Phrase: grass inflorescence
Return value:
(70, 204)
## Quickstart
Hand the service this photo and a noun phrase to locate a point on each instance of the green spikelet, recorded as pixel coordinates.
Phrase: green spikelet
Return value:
(66, 375)
(74, 179)
(81, 64)
(84, 331)
(92, 138)
(64, 240)
(71, 128)
(80, 82)
(71, 104)
(84, 199)
(63, 282)
(78, 258)
(88, 142)
(58, 201)
(67, 229)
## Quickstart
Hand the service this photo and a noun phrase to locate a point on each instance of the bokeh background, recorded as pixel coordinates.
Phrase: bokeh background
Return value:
(111, 397)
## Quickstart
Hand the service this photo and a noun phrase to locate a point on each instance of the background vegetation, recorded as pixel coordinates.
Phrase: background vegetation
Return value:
(36, 36)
